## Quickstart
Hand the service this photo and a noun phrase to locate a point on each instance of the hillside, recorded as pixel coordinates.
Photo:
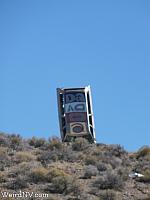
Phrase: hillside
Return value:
(41, 169)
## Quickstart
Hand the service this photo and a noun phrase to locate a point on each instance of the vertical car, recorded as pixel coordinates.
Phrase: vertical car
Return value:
(75, 114)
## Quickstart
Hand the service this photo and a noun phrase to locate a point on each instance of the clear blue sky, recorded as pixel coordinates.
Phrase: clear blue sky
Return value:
(49, 44)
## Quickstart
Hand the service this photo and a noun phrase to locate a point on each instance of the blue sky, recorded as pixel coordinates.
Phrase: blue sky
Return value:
(49, 44)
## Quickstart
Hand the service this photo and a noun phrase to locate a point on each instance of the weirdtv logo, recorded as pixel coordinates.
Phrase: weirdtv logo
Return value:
(23, 194)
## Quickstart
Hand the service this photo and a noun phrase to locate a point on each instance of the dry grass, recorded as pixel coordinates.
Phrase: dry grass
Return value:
(24, 157)
(39, 175)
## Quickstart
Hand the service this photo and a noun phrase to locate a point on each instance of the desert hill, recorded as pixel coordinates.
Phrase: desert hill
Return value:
(49, 169)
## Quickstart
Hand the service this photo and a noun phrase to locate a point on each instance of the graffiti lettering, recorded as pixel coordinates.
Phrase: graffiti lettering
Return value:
(75, 107)
(74, 97)
(76, 117)
(78, 128)
(79, 107)
(70, 109)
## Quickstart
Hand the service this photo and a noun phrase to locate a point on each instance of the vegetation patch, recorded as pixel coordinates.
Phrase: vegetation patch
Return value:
(109, 181)
(39, 175)
(144, 152)
(72, 171)
(24, 157)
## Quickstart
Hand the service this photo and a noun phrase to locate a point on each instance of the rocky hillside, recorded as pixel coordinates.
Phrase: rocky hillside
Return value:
(41, 169)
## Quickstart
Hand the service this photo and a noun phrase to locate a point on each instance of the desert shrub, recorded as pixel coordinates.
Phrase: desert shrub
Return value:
(111, 160)
(96, 150)
(24, 146)
(3, 153)
(108, 195)
(123, 173)
(146, 177)
(54, 172)
(116, 150)
(49, 156)
(59, 184)
(77, 157)
(109, 181)
(2, 177)
(4, 141)
(71, 156)
(12, 141)
(55, 143)
(36, 142)
(90, 171)
(141, 166)
(62, 183)
(32, 141)
(115, 162)
(24, 157)
(19, 183)
(90, 160)
(65, 184)
(24, 168)
(80, 144)
(38, 175)
(4, 158)
(101, 166)
(143, 152)
(15, 141)
(2, 166)
(65, 154)
(74, 187)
